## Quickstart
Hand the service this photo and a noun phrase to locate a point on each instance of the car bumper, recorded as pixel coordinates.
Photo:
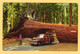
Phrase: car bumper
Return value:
(33, 43)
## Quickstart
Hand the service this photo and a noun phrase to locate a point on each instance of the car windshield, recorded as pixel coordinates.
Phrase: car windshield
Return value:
(41, 35)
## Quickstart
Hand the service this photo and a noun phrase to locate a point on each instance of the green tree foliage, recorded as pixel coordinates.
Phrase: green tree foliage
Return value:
(45, 12)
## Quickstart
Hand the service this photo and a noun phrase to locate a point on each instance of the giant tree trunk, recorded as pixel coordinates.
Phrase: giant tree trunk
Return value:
(70, 13)
(65, 33)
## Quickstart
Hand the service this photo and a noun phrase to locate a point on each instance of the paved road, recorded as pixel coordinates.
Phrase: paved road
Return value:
(26, 48)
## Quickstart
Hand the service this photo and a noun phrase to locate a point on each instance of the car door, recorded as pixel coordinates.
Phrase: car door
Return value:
(47, 39)
(44, 39)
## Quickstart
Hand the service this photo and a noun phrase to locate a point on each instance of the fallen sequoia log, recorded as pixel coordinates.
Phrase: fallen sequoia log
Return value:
(30, 28)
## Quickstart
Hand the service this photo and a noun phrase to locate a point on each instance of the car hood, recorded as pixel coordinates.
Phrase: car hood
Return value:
(36, 38)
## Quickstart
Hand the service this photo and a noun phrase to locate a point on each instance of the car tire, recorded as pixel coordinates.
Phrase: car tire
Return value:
(50, 42)
(39, 44)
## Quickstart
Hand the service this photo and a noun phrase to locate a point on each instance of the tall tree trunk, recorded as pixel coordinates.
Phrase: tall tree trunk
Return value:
(12, 16)
(12, 22)
(65, 14)
(44, 17)
(50, 15)
(8, 21)
(8, 28)
(55, 20)
(62, 17)
(74, 18)
(70, 13)
(28, 10)
(41, 18)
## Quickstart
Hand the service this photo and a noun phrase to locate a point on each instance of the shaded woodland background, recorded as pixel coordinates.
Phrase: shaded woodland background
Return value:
(58, 13)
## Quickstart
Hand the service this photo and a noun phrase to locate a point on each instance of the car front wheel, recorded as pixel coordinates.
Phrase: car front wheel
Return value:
(39, 43)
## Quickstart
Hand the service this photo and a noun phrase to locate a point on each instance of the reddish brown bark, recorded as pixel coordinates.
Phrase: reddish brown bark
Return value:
(70, 12)
(65, 33)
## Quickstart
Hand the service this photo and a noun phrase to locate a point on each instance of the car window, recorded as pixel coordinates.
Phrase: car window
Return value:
(41, 35)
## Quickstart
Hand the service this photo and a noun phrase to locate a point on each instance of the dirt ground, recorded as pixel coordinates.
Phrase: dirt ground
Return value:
(61, 47)
(25, 41)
